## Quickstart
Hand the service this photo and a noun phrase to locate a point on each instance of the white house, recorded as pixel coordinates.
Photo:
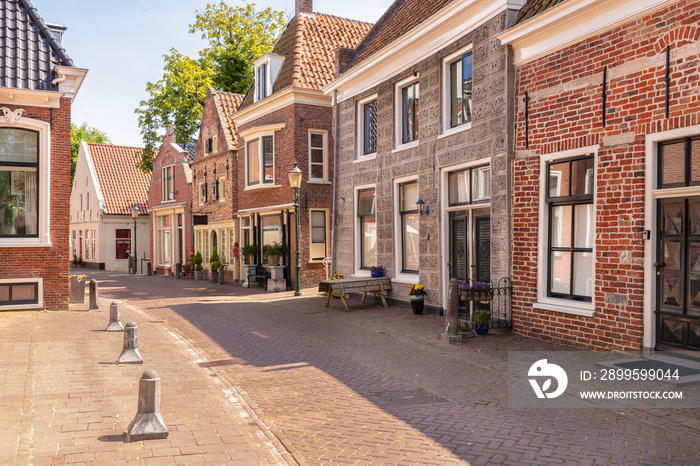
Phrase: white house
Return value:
(107, 186)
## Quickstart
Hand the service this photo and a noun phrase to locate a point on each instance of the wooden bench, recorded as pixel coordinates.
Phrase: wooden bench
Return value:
(343, 287)
(261, 275)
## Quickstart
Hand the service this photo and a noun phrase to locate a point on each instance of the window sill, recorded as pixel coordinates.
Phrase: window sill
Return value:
(318, 182)
(406, 280)
(408, 145)
(315, 262)
(455, 130)
(21, 307)
(361, 274)
(262, 186)
(14, 243)
(365, 158)
(583, 310)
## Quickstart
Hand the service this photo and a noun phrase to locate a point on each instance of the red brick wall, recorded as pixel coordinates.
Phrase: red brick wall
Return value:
(292, 144)
(569, 117)
(49, 263)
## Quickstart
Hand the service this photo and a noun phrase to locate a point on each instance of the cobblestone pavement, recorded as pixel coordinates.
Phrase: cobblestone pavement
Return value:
(375, 385)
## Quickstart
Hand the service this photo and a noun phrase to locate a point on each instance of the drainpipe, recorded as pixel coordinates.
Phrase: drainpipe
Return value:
(335, 179)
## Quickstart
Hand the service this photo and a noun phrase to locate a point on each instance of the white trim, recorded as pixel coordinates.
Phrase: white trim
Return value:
(221, 179)
(257, 187)
(280, 99)
(573, 21)
(650, 220)
(398, 113)
(262, 130)
(557, 306)
(326, 227)
(274, 65)
(401, 277)
(69, 79)
(543, 228)
(258, 134)
(446, 92)
(324, 134)
(44, 226)
(360, 133)
(359, 271)
(279, 207)
(30, 98)
(172, 183)
(39, 293)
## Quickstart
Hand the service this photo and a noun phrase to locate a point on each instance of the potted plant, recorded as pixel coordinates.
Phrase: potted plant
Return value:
(213, 261)
(249, 252)
(377, 271)
(198, 269)
(477, 291)
(481, 319)
(217, 271)
(337, 276)
(417, 294)
(275, 251)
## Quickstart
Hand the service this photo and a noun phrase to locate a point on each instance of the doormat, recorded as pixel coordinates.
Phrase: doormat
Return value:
(413, 397)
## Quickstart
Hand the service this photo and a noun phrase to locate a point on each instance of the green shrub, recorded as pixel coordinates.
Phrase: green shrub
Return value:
(197, 260)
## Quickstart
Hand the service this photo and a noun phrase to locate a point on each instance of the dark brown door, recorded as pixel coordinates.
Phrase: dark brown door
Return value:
(678, 274)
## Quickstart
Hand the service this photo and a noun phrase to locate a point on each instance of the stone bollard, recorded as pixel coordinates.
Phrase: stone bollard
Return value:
(148, 423)
(452, 334)
(178, 271)
(93, 296)
(130, 353)
(115, 324)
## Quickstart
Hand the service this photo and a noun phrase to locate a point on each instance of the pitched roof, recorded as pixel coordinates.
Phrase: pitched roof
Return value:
(400, 17)
(29, 51)
(308, 44)
(534, 8)
(121, 182)
(227, 104)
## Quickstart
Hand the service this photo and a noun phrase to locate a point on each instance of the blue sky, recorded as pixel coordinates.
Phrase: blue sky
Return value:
(122, 44)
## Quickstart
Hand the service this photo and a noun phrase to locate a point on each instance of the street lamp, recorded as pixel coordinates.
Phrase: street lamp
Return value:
(295, 183)
(135, 213)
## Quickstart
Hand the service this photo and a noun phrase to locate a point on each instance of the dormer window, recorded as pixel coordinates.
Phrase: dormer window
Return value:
(267, 68)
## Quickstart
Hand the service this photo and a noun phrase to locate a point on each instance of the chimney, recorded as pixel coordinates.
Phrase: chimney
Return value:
(169, 134)
(303, 6)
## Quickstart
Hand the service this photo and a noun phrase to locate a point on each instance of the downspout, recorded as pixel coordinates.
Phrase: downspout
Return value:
(335, 179)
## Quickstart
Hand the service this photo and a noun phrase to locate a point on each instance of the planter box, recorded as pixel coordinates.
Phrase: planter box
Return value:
(481, 296)
(77, 289)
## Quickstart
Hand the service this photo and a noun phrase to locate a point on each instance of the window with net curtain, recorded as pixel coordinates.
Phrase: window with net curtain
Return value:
(367, 228)
(410, 247)
(19, 182)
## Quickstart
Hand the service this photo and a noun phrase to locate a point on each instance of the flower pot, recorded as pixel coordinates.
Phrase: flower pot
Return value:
(199, 274)
(481, 329)
(417, 303)
(377, 274)
(274, 260)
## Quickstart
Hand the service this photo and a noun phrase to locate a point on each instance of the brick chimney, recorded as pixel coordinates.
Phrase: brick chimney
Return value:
(169, 134)
(303, 6)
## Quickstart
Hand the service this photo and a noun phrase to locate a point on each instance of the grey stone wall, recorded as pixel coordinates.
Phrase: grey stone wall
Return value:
(489, 136)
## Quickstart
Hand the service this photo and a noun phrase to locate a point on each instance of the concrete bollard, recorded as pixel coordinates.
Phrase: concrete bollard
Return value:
(115, 324)
(148, 423)
(130, 353)
(93, 296)
(452, 334)
(178, 271)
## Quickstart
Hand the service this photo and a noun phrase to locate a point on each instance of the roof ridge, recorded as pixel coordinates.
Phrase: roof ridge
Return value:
(58, 48)
(343, 18)
(298, 50)
(112, 145)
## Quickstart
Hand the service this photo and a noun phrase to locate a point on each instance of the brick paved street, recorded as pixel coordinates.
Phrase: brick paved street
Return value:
(259, 377)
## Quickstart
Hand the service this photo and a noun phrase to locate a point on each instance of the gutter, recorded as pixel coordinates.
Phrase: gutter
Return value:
(335, 179)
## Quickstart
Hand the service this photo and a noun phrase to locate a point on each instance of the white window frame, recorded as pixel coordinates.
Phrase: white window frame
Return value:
(200, 193)
(43, 238)
(545, 302)
(221, 188)
(360, 111)
(250, 136)
(446, 92)
(399, 276)
(398, 113)
(327, 232)
(167, 196)
(324, 134)
(39, 294)
(272, 63)
(359, 271)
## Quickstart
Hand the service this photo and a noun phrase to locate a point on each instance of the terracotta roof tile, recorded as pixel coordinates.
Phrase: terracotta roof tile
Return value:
(400, 18)
(121, 182)
(309, 43)
(227, 104)
(534, 8)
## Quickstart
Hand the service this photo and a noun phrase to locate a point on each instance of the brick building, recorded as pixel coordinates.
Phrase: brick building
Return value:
(215, 182)
(38, 83)
(605, 190)
(170, 203)
(422, 112)
(286, 118)
(107, 186)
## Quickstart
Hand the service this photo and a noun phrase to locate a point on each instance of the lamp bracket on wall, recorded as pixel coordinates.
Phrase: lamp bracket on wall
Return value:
(422, 208)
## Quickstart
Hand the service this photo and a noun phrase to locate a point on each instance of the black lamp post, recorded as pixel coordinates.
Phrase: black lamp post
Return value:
(135, 213)
(295, 182)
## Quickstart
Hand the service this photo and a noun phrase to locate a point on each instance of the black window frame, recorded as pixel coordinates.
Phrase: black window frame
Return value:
(402, 214)
(369, 127)
(325, 233)
(20, 302)
(262, 81)
(471, 200)
(362, 218)
(687, 163)
(35, 165)
(409, 135)
(569, 200)
(264, 162)
(452, 85)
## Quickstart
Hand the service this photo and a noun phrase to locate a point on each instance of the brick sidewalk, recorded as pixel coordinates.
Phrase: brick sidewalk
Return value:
(63, 398)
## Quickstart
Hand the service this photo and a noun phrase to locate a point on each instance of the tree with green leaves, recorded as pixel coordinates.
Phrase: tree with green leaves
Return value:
(236, 36)
(83, 133)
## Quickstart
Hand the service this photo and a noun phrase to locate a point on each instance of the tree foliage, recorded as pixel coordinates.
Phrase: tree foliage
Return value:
(236, 36)
(83, 133)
